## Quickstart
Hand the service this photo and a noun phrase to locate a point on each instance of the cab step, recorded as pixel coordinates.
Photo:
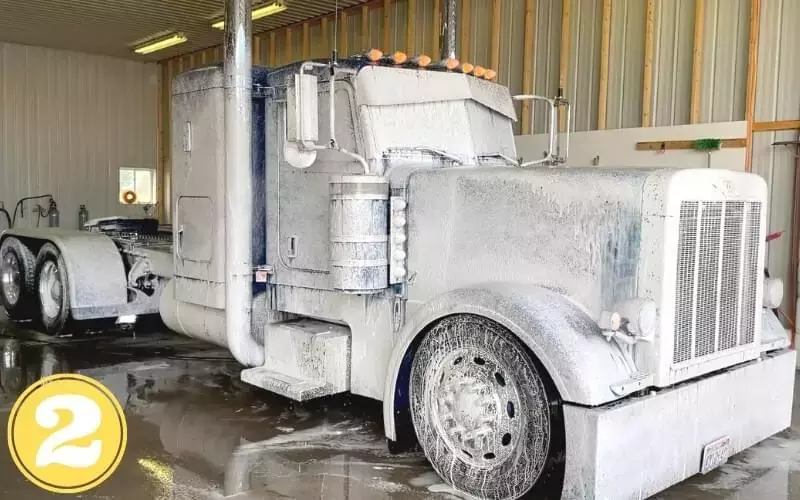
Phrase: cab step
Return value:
(304, 359)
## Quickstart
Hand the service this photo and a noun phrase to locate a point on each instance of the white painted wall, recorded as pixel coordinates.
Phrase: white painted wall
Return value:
(617, 147)
(68, 122)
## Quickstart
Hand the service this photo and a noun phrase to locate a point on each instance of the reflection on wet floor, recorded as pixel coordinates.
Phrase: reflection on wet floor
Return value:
(195, 431)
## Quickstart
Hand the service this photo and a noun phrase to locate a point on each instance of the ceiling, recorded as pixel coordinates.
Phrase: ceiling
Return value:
(110, 27)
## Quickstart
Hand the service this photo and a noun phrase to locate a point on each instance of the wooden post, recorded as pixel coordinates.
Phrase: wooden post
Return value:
(697, 60)
(647, 77)
(387, 26)
(273, 48)
(497, 10)
(527, 63)
(437, 29)
(563, 74)
(257, 50)
(287, 51)
(605, 44)
(365, 28)
(160, 124)
(411, 28)
(752, 72)
(466, 30)
(343, 41)
(306, 51)
(326, 41)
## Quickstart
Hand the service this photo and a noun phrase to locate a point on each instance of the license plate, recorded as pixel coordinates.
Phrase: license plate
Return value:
(715, 454)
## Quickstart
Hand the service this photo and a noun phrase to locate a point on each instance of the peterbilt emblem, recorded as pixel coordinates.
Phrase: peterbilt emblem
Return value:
(728, 188)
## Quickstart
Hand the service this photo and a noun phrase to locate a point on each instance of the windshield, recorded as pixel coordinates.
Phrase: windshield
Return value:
(444, 131)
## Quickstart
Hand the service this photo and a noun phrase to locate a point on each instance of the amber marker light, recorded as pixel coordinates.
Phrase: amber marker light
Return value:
(399, 57)
(490, 74)
(422, 61)
(479, 71)
(374, 55)
(451, 63)
(467, 68)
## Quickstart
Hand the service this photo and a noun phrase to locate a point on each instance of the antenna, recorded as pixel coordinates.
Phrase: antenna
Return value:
(335, 50)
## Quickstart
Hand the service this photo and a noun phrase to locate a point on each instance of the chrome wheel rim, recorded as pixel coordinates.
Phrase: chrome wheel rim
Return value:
(11, 278)
(476, 406)
(50, 289)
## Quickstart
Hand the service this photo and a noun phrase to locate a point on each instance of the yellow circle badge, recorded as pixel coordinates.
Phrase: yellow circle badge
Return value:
(67, 433)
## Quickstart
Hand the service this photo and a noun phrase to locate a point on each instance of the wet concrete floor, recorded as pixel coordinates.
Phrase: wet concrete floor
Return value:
(195, 431)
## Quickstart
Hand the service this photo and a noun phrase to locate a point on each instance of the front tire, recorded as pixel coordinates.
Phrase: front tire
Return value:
(53, 287)
(485, 415)
(17, 270)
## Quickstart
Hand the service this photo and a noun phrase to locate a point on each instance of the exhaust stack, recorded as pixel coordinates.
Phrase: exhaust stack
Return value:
(238, 81)
(447, 40)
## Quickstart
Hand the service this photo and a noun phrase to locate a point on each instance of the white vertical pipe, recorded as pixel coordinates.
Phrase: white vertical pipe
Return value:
(238, 183)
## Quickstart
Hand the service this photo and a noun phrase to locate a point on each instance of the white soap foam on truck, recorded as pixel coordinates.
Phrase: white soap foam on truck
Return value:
(365, 227)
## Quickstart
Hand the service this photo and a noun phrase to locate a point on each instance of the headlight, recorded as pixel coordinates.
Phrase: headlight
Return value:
(641, 314)
(773, 292)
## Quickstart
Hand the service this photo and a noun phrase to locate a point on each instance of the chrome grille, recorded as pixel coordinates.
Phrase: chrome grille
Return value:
(717, 277)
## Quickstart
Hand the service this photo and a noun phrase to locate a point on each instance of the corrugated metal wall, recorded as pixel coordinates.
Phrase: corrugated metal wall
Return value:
(724, 68)
(778, 98)
(68, 122)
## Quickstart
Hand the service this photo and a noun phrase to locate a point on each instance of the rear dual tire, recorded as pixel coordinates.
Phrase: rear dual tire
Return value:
(52, 287)
(17, 280)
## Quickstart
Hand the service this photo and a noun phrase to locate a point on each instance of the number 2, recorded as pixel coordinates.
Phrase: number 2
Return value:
(86, 418)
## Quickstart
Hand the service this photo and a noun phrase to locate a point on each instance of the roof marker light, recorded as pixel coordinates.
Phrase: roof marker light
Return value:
(421, 60)
(374, 55)
(467, 68)
(451, 63)
(399, 57)
(479, 71)
(490, 74)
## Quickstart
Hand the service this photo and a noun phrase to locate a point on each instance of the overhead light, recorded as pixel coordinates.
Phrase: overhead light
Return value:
(257, 13)
(160, 43)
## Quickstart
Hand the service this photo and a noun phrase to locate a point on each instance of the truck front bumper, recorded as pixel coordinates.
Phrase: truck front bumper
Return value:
(637, 447)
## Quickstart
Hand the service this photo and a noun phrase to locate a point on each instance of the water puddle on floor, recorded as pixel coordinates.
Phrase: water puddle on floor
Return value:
(196, 431)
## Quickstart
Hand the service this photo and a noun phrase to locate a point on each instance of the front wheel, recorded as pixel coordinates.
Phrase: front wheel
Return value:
(53, 288)
(484, 413)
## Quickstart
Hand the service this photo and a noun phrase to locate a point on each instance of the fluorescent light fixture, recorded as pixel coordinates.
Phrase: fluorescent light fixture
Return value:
(257, 13)
(161, 43)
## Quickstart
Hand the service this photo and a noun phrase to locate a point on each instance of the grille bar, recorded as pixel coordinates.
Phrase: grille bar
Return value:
(717, 273)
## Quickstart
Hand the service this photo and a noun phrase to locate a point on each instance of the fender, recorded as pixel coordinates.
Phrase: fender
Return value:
(96, 274)
(567, 342)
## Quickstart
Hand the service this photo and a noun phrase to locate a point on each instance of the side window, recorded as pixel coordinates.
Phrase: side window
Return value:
(137, 186)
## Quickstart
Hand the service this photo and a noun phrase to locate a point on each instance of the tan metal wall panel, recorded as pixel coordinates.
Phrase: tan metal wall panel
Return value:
(547, 48)
(725, 60)
(376, 29)
(584, 63)
(399, 20)
(68, 122)
(481, 37)
(425, 27)
(626, 63)
(672, 86)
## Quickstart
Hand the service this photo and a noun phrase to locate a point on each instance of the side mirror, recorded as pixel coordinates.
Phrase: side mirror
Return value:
(303, 110)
